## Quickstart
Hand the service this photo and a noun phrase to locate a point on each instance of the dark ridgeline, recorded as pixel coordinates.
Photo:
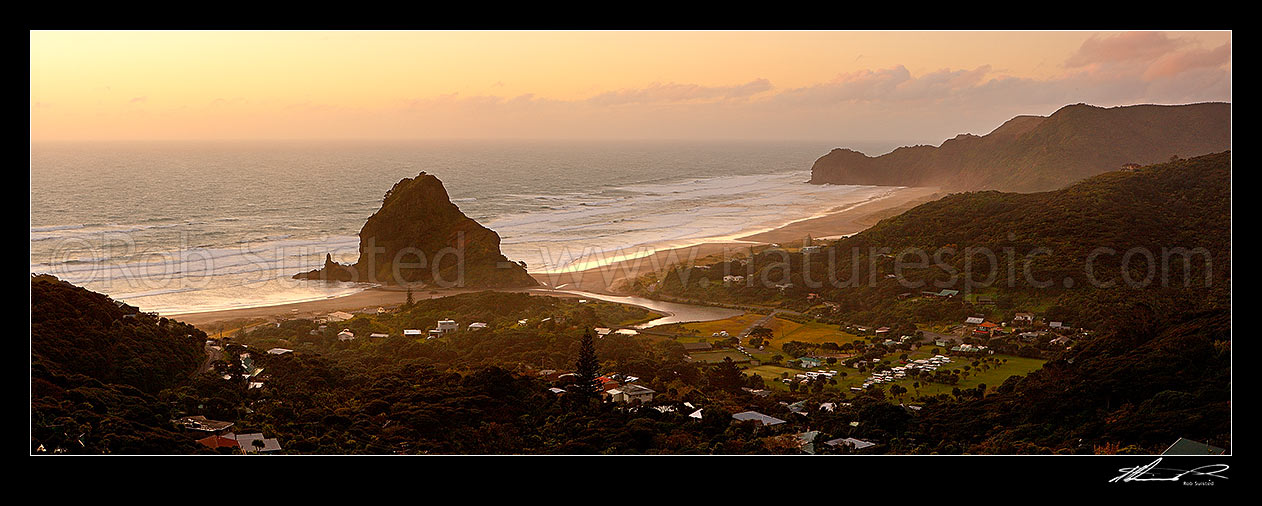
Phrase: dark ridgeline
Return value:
(1035, 153)
(96, 368)
(417, 213)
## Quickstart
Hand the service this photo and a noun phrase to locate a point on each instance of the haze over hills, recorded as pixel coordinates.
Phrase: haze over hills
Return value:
(419, 236)
(1035, 153)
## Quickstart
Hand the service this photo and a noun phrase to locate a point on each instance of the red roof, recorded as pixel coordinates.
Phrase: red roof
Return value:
(218, 442)
(987, 324)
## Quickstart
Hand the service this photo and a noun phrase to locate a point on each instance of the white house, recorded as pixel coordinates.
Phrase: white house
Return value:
(340, 316)
(628, 393)
(412, 333)
(279, 351)
(345, 335)
(477, 325)
(974, 320)
(446, 326)
(733, 279)
(378, 335)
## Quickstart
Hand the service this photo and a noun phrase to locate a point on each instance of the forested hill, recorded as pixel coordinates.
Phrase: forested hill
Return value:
(96, 369)
(1061, 252)
(1035, 153)
(77, 331)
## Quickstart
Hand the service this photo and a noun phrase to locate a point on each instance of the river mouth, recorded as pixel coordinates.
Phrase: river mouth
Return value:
(675, 312)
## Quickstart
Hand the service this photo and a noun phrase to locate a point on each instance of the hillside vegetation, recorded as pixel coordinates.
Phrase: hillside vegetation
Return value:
(1034, 153)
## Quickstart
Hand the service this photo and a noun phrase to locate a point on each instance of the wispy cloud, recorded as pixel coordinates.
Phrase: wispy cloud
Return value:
(659, 93)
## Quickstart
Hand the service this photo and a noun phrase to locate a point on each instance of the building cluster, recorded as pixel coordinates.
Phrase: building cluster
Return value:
(442, 328)
(900, 372)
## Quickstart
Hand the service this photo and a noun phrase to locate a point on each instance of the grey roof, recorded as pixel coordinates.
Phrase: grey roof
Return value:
(1190, 447)
(637, 389)
(247, 443)
(754, 415)
(203, 424)
(858, 444)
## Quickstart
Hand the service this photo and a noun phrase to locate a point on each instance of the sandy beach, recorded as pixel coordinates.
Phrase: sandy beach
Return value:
(607, 279)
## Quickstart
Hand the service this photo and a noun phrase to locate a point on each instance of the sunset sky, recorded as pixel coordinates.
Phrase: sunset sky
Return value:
(810, 85)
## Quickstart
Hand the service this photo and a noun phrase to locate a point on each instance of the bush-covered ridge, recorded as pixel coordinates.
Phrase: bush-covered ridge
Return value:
(1031, 153)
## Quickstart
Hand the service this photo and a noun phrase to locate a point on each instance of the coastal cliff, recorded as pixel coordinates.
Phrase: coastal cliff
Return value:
(1035, 153)
(420, 237)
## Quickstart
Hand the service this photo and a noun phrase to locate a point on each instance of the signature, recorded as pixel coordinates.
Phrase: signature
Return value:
(1151, 472)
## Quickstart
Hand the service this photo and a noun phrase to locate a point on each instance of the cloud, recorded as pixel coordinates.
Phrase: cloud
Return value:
(895, 84)
(1125, 47)
(1176, 63)
(138, 100)
(658, 93)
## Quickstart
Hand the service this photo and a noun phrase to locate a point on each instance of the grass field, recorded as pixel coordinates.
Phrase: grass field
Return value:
(704, 330)
(714, 357)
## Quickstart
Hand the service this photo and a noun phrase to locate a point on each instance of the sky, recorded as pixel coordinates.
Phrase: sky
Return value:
(835, 86)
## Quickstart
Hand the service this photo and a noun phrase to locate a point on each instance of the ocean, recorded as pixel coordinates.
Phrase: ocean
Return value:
(179, 227)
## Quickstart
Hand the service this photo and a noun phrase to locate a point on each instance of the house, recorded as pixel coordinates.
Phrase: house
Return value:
(345, 335)
(279, 351)
(973, 320)
(339, 316)
(1030, 337)
(1057, 325)
(434, 334)
(883, 330)
(733, 279)
(696, 414)
(202, 423)
(1023, 317)
(1061, 341)
(411, 333)
(477, 325)
(812, 296)
(754, 415)
(1190, 447)
(810, 362)
(378, 335)
(214, 442)
(948, 293)
(628, 393)
(557, 391)
(246, 441)
(700, 346)
(1130, 167)
(857, 444)
(446, 326)
(811, 249)
(808, 441)
(602, 331)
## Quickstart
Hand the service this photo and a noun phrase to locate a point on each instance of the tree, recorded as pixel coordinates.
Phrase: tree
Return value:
(411, 301)
(587, 367)
(727, 376)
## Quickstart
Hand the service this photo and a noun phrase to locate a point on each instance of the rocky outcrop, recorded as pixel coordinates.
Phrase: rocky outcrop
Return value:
(419, 237)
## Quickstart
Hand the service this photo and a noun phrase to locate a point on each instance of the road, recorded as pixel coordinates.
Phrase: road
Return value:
(212, 354)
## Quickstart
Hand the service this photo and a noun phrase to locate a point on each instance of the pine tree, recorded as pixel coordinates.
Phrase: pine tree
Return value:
(410, 301)
(587, 367)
